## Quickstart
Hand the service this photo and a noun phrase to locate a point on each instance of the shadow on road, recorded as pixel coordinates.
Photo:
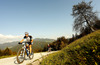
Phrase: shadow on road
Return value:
(15, 60)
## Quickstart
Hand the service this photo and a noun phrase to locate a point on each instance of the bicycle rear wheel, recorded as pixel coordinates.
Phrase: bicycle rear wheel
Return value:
(20, 56)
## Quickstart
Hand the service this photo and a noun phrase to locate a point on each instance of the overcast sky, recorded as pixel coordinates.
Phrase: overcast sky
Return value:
(41, 18)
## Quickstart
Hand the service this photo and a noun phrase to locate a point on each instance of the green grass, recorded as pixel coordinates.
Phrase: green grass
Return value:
(6, 56)
(84, 51)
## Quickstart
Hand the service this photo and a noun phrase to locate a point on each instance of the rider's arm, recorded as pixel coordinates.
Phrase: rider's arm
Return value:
(21, 40)
(31, 40)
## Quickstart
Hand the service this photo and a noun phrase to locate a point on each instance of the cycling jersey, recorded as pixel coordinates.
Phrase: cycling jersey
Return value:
(28, 39)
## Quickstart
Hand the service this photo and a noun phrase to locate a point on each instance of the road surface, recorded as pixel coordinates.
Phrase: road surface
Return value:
(12, 60)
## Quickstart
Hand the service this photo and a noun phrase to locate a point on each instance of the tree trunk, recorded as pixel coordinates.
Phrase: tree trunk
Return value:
(89, 24)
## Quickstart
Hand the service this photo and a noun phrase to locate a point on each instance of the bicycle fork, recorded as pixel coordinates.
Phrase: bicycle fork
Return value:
(27, 51)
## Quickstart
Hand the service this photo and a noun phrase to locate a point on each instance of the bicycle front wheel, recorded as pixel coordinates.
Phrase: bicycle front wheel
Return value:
(20, 56)
(31, 56)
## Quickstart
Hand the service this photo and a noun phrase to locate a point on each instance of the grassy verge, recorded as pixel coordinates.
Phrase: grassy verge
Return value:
(84, 51)
(1, 57)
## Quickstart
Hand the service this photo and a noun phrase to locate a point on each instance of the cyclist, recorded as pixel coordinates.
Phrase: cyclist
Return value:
(29, 40)
(49, 48)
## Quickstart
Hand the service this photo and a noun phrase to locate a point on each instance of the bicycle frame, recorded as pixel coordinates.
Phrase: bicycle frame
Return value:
(24, 47)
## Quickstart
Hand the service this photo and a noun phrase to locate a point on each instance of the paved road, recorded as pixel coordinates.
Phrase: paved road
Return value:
(12, 60)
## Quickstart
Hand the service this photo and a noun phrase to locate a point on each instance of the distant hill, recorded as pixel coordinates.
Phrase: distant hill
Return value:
(9, 44)
(44, 39)
(84, 51)
(15, 43)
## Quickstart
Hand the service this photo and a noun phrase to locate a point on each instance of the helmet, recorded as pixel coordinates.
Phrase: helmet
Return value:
(26, 33)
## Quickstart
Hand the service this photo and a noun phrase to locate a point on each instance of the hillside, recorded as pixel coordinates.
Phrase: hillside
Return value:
(84, 51)
(37, 46)
(15, 43)
(44, 40)
(9, 44)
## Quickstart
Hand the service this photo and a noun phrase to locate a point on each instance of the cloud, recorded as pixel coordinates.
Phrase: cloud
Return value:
(9, 38)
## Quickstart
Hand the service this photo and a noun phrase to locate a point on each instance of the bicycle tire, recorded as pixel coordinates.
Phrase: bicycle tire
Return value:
(18, 60)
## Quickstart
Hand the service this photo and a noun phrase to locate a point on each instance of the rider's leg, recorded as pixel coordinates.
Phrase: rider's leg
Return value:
(30, 46)
(27, 51)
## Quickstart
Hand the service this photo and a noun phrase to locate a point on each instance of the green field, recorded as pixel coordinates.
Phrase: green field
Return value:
(84, 51)
(7, 56)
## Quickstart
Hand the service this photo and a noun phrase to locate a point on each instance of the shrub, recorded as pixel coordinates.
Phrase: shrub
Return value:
(7, 51)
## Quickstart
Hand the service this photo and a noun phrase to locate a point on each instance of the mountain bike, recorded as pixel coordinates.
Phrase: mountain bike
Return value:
(23, 51)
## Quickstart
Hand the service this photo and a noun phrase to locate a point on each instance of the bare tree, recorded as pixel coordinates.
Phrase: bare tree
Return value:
(84, 16)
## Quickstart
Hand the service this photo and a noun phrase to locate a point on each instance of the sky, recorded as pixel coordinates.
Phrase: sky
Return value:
(41, 18)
